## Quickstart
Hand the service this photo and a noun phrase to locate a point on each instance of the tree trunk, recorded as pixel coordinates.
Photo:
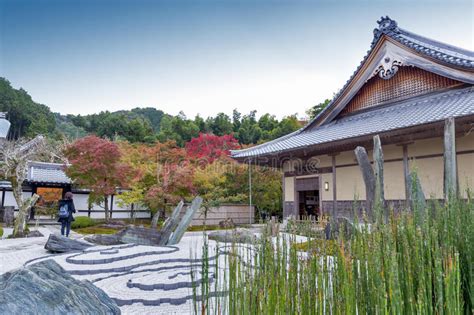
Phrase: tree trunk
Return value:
(106, 208)
(20, 222)
(154, 220)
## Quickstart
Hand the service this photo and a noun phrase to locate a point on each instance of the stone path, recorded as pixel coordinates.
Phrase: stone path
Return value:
(141, 279)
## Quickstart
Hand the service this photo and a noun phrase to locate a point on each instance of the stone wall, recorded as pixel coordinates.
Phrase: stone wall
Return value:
(240, 214)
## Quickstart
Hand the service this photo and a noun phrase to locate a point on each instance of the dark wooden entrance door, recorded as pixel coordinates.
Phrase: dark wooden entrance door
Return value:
(307, 195)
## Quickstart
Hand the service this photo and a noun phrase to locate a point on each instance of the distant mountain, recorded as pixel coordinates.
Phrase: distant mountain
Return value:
(27, 117)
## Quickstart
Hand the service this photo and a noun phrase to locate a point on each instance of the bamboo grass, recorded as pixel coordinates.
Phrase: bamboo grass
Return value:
(413, 264)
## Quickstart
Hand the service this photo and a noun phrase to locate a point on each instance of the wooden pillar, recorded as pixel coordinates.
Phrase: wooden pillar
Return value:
(296, 208)
(334, 192)
(450, 168)
(406, 174)
(379, 195)
(283, 194)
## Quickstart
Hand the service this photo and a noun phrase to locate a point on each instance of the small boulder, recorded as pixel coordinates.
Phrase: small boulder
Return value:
(233, 236)
(227, 224)
(46, 288)
(61, 244)
(35, 233)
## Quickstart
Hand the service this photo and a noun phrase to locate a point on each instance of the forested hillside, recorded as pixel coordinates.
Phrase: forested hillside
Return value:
(147, 125)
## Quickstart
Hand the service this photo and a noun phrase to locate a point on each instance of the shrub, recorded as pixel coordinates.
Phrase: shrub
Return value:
(82, 222)
(1, 231)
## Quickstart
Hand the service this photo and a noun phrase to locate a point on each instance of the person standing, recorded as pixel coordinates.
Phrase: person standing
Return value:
(66, 209)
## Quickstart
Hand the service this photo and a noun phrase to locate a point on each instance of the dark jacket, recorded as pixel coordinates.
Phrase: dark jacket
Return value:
(71, 208)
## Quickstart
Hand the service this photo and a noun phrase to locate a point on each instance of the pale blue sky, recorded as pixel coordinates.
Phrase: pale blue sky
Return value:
(202, 56)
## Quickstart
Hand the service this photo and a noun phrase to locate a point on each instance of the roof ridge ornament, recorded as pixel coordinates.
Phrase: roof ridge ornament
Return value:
(386, 24)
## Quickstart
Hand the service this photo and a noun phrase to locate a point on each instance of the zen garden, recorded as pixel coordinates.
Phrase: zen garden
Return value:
(363, 207)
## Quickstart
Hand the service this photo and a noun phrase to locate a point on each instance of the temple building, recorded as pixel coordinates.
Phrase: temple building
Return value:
(403, 90)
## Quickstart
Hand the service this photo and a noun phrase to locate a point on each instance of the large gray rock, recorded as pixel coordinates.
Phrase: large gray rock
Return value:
(46, 288)
(233, 236)
(104, 239)
(140, 236)
(129, 235)
(61, 244)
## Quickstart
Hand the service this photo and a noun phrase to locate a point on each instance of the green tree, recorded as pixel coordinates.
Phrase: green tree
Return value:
(318, 108)
(220, 125)
(249, 132)
(178, 128)
(285, 126)
(27, 117)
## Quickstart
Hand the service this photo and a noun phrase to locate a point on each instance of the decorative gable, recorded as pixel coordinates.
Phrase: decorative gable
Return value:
(403, 83)
(434, 65)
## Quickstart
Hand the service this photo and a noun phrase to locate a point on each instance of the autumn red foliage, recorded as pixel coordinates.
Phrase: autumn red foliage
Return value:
(210, 147)
(95, 163)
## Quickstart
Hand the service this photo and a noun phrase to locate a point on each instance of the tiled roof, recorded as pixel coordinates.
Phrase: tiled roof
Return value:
(4, 126)
(41, 172)
(434, 49)
(417, 111)
(448, 54)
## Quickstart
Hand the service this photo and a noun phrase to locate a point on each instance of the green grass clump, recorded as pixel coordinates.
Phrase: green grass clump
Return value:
(1, 231)
(82, 222)
(95, 230)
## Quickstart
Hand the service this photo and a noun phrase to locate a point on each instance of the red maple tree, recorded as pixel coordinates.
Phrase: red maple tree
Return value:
(209, 147)
(95, 163)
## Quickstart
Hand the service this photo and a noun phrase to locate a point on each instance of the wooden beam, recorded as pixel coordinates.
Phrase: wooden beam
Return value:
(334, 192)
(369, 178)
(450, 168)
(406, 173)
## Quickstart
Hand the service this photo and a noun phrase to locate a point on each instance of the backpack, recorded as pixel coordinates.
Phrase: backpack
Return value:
(64, 211)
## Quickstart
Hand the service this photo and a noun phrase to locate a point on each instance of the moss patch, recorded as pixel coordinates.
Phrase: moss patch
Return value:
(198, 228)
(318, 247)
(95, 230)
(83, 222)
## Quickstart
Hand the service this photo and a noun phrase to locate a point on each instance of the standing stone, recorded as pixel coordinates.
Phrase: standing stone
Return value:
(418, 201)
(170, 224)
(185, 221)
(369, 178)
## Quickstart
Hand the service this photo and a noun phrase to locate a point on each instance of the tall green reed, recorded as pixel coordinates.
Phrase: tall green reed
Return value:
(410, 264)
